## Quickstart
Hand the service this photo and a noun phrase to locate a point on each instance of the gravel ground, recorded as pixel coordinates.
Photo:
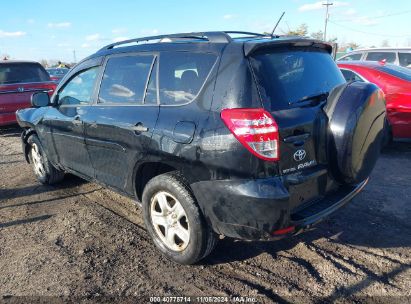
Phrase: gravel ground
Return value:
(80, 241)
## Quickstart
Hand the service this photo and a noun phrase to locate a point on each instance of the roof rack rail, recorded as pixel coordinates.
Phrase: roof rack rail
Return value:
(250, 34)
(216, 37)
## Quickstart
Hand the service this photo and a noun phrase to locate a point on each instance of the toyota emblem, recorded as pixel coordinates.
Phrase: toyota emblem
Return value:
(299, 155)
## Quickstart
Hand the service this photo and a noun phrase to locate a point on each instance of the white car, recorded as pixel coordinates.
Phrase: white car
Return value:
(397, 56)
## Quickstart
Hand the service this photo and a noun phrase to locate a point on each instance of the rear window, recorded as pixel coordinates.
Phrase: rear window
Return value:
(182, 75)
(22, 72)
(351, 57)
(397, 71)
(288, 75)
(378, 56)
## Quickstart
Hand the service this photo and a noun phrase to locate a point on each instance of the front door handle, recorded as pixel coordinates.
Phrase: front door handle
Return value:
(139, 128)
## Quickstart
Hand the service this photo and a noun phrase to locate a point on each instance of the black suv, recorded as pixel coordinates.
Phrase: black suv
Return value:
(251, 137)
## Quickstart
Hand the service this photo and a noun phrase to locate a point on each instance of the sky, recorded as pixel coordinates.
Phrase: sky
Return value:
(60, 30)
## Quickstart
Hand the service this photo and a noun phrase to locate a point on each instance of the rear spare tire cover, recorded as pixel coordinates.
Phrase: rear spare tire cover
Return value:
(356, 113)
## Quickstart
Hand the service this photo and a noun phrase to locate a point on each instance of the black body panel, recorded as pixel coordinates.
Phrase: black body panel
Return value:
(240, 195)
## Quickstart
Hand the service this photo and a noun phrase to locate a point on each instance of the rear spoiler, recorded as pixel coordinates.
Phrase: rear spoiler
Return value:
(255, 45)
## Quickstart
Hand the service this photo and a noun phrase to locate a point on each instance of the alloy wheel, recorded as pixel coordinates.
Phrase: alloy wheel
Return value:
(170, 221)
(37, 160)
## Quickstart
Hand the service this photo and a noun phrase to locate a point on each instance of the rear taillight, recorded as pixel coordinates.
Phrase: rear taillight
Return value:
(256, 129)
(51, 87)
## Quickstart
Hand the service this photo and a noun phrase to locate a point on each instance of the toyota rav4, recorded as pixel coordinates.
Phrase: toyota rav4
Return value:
(214, 134)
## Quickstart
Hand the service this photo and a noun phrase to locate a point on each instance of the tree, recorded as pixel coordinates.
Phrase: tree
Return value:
(385, 43)
(301, 30)
(353, 45)
(44, 63)
(318, 35)
(333, 40)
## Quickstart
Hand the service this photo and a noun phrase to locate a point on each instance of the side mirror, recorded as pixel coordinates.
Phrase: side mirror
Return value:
(40, 99)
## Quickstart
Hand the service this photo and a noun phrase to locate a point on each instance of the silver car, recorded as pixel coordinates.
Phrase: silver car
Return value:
(397, 56)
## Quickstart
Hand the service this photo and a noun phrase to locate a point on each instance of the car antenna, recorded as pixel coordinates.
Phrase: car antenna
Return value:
(275, 27)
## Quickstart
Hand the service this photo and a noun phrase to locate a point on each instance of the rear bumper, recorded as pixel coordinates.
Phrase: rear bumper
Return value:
(255, 209)
(307, 216)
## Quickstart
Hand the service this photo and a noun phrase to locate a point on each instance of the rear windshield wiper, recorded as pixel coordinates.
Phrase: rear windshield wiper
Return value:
(317, 97)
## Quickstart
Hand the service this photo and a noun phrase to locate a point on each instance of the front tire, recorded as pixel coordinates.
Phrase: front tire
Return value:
(174, 220)
(45, 172)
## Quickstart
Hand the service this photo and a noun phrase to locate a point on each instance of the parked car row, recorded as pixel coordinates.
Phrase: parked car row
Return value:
(57, 74)
(400, 57)
(18, 81)
(395, 81)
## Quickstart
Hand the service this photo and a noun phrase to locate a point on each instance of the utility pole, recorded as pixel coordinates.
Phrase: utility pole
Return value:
(74, 56)
(327, 4)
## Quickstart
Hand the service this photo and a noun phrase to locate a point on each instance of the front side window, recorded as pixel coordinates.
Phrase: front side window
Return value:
(125, 79)
(79, 89)
(182, 75)
(351, 57)
(378, 56)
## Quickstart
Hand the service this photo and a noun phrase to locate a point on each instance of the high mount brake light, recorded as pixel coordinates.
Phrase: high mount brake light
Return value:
(255, 129)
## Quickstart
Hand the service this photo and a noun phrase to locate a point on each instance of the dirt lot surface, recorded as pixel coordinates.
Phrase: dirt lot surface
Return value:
(78, 240)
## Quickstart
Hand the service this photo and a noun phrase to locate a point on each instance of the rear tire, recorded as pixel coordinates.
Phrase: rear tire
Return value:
(174, 220)
(45, 172)
(387, 139)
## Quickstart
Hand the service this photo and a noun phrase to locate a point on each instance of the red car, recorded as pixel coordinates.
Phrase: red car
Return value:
(18, 81)
(395, 81)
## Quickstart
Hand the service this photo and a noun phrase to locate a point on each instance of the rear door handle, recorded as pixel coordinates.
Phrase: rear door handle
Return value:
(139, 128)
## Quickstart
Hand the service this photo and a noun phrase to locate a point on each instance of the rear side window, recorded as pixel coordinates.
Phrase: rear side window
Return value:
(405, 59)
(350, 76)
(22, 72)
(125, 79)
(351, 57)
(286, 76)
(397, 71)
(182, 75)
(378, 56)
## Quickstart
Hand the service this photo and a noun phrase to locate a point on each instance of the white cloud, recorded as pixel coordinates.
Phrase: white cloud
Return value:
(350, 12)
(364, 20)
(319, 5)
(85, 45)
(59, 25)
(228, 16)
(119, 30)
(63, 44)
(93, 37)
(146, 32)
(4, 34)
(117, 39)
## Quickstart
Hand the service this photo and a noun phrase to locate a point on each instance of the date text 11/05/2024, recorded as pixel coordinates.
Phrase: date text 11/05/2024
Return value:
(203, 299)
